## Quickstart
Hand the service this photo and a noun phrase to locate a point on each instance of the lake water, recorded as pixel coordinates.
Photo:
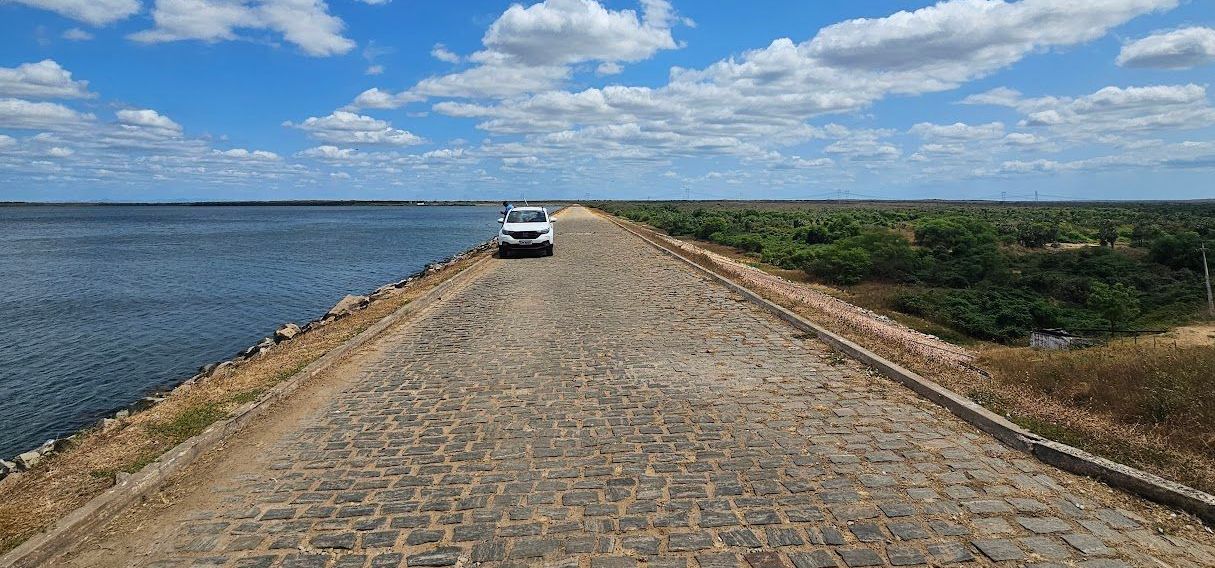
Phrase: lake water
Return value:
(100, 305)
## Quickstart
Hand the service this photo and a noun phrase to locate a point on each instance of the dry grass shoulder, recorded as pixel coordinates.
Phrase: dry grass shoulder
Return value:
(1161, 389)
(31, 502)
(1084, 414)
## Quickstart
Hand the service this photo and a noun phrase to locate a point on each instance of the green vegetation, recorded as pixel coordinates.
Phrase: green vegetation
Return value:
(189, 423)
(249, 395)
(991, 272)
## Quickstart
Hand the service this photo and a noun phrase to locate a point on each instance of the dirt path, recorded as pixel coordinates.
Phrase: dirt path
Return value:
(607, 406)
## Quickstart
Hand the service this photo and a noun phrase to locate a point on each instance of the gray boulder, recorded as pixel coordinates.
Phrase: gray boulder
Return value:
(287, 332)
(346, 306)
(383, 291)
(260, 347)
(7, 467)
(28, 460)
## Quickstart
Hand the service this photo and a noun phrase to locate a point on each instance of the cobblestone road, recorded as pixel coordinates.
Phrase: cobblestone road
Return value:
(606, 407)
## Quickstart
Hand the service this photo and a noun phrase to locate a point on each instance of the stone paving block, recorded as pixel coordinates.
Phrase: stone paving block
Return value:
(905, 556)
(680, 542)
(950, 552)
(860, 557)
(815, 559)
(1088, 544)
(444, 556)
(766, 559)
(1044, 525)
(999, 549)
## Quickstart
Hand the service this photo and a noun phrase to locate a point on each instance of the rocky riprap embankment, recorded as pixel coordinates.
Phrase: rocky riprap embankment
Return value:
(346, 306)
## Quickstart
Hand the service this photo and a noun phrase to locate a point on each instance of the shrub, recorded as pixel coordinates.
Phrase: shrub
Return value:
(1118, 304)
(1177, 251)
(1003, 315)
(1034, 234)
(839, 264)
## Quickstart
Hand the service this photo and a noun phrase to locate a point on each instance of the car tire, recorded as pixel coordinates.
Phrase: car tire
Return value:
(548, 250)
(503, 252)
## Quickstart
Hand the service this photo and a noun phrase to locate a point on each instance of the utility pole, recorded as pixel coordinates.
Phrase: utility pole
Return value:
(1035, 196)
(1206, 273)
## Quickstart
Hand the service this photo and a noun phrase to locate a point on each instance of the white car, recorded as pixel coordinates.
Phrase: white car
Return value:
(526, 228)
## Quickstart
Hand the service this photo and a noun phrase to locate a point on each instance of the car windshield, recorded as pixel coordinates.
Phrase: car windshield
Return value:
(517, 216)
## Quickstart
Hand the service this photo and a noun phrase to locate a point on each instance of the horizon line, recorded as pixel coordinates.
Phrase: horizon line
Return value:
(471, 202)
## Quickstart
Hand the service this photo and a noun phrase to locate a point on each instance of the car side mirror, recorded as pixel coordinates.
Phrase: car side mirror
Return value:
(501, 220)
(552, 221)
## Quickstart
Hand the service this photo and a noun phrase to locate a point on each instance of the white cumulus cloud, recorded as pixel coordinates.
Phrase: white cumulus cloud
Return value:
(561, 32)
(440, 52)
(305, 23)
(1178, 49)
(147, 118)
(344, 127)
(93, 12)
(1114, 110)
(23, 114)
(243, 154)
(44, 79)
(764, 97)
(959, 131)
(377, 98)
(328, 152)
(531, 49)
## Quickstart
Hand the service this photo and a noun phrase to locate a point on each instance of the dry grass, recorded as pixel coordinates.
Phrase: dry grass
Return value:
(1162, 389)
(33, 501)
(1168, 452)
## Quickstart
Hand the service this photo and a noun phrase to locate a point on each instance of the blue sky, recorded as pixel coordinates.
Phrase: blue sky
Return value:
(151, 100)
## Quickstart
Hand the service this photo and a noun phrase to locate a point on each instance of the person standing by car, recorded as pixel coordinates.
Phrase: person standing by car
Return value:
(506, 207)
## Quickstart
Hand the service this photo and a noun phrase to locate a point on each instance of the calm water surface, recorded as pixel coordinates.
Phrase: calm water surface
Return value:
(99, 305)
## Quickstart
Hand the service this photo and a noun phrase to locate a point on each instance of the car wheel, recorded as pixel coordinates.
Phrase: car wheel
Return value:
(548, 251)
(503, 252)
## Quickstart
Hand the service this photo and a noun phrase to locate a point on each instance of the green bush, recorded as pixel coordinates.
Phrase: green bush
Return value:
(839, 264)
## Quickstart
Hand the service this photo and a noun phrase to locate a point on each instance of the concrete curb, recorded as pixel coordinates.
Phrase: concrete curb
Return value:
(71, 529)
(1062, 456)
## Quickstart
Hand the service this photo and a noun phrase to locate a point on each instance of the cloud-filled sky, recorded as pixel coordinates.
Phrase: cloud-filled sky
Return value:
(151, 100)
